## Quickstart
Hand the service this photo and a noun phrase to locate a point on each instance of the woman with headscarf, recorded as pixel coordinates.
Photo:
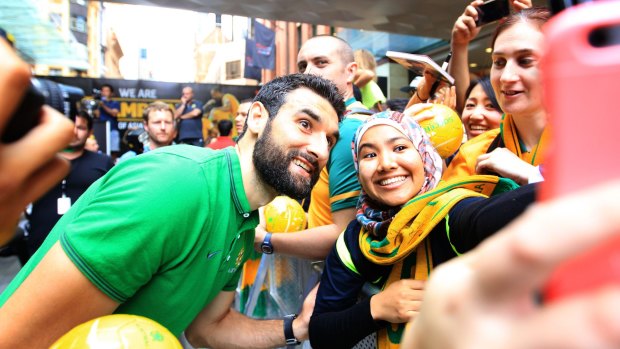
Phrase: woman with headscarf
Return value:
(407, 222)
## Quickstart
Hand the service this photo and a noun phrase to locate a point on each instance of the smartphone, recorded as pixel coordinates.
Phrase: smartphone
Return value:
(581, 79)
(492, 11)
(558, 5)
(25, 117)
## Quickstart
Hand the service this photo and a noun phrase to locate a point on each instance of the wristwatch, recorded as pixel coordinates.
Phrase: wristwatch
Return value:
(266, 246)
(288, 330)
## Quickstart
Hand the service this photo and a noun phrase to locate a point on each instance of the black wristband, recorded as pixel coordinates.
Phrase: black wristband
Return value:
(420, 98)
(266, 246)
(289, 336)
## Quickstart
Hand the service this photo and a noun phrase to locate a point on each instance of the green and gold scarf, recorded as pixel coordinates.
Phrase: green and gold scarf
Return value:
(408, 231)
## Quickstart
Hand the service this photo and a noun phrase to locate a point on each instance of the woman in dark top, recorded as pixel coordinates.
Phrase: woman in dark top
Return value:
(407, 222)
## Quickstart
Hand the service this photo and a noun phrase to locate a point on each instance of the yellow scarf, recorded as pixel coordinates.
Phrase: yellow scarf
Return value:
(407, 234)
(511, 140)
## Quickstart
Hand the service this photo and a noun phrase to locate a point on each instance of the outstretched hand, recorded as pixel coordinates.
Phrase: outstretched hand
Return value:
(485, 298)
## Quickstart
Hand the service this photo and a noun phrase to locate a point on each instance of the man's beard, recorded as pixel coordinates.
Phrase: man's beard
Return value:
(154, 139)
(272, 165)
(76, 146)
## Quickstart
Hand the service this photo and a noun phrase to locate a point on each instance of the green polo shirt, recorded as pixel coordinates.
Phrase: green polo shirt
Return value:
(162, 233)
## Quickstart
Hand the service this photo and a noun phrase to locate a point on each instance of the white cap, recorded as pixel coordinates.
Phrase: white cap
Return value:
(414, 83)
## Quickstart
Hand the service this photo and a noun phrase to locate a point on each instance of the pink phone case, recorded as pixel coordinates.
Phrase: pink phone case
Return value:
(582, 95)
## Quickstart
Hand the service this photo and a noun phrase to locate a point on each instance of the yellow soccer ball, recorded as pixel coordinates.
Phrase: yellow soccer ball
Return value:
(284, 214)
(445, 130)
(118, 331)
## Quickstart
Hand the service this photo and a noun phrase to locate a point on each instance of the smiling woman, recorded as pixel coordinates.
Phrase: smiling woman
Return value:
(516, 149)
(407, 222)
(481, 112)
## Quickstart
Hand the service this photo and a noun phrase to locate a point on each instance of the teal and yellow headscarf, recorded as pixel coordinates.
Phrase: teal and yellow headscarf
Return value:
(372, 215)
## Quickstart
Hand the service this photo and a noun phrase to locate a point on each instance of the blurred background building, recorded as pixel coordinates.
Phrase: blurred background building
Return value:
(205, 42)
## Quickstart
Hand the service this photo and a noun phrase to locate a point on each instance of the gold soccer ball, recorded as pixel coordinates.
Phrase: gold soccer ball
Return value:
(445, 130)
(118, 331)
(284, 214)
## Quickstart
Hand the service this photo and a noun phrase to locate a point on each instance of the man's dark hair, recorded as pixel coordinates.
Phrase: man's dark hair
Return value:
(224, 126)
(83, 114)
(273, 94)
(108, 86)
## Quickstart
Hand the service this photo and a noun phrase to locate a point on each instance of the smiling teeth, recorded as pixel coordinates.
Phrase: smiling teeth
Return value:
(392, 180)
(301, 164)
(477, 128)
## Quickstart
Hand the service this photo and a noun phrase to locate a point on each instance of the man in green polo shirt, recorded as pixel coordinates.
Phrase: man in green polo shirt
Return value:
(164, 235)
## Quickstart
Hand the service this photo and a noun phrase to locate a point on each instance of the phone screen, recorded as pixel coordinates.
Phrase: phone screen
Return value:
(492, 11)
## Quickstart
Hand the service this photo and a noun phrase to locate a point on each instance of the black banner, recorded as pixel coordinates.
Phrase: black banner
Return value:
(135, 95)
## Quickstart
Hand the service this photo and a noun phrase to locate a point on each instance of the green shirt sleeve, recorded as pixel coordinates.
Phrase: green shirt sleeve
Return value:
(344, 187)
(134, 224)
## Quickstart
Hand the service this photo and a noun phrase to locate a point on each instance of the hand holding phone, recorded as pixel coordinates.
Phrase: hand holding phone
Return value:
(491, 11)
(29, 165)
(583, 47)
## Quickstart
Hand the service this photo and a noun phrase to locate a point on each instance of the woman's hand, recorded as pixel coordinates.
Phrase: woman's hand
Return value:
(446, 96)
(399, 302)
(420, 112)
(465, 29)
(505, 163)
(519, 5)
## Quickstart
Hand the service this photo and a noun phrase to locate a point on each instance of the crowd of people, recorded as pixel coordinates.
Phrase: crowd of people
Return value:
(419, 251)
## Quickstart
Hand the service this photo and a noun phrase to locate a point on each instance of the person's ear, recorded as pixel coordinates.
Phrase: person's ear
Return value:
(257, 118)
(351, 70)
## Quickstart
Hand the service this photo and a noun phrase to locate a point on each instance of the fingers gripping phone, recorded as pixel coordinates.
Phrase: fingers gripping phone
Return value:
(492, 11)
(581, 58)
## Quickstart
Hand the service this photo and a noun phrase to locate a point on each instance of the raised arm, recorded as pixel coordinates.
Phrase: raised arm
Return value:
(463, 32)
(194, 113)
(314, 243)
(363, 76)
(423, 91)
(28, 166)
(112, 111)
